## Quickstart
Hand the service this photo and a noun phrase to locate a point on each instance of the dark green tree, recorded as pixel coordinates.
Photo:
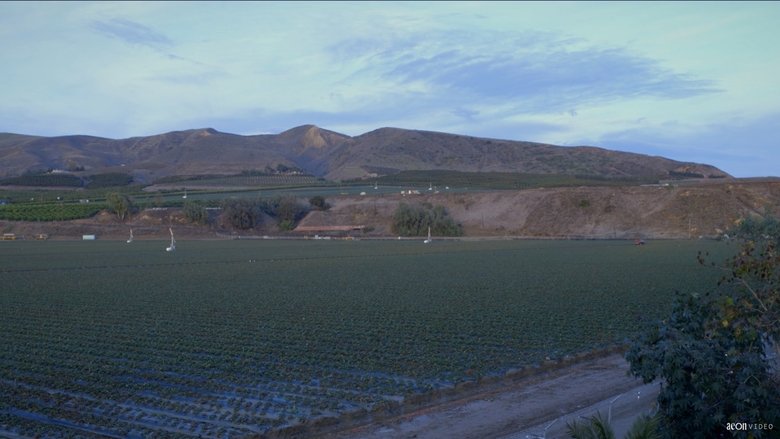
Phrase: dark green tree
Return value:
(195, 212)
(318, 202)
(712, 350)
(242, 214)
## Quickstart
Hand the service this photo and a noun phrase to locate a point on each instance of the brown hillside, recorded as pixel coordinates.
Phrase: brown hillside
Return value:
(325, 153)
(595, 212)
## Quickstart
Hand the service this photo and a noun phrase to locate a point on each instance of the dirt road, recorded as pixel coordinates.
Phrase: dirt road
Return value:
(523, 410)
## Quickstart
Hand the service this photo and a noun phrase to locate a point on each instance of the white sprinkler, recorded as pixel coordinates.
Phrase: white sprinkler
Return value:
(172, 247)
(428, 241)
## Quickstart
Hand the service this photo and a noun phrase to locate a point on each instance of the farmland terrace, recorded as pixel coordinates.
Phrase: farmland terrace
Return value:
(674, 211)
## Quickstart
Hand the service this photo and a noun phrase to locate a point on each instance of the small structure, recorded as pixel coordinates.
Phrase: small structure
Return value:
(9, 237)
(41, 237)
(88, 237)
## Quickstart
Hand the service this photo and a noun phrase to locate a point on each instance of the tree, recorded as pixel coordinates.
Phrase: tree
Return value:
(120, 204)
(711, 351)
(242, 214)
(195, 212)
(286, 210)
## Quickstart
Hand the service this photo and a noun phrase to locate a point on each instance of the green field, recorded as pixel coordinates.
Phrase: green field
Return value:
(230, 338)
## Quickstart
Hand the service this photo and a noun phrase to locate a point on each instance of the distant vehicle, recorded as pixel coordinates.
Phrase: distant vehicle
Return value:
(129, 240)
(172, 247)
(428, 241)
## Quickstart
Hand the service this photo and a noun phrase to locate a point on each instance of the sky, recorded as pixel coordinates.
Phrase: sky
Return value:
(696, 81)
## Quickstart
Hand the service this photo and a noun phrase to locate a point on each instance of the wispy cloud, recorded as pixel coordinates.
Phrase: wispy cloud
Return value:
(131, 32)
(538, 71)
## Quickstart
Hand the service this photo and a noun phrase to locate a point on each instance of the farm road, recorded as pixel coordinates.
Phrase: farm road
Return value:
(523, 410)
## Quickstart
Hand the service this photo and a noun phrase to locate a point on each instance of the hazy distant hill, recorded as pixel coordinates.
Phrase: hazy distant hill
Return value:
(324, 153)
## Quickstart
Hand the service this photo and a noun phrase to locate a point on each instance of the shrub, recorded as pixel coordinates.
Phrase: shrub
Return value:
(415, 220)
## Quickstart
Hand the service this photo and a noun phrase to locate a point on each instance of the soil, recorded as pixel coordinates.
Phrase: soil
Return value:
(528, 408)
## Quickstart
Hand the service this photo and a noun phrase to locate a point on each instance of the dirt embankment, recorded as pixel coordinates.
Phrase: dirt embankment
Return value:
(589, 212)
(685, 211)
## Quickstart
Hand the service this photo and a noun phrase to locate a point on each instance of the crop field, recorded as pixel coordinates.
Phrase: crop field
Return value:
(233, 338)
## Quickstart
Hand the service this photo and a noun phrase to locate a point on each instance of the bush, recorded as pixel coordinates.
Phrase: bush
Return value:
(318, 202)
(246, 214)
(415, 220)
(242, 214)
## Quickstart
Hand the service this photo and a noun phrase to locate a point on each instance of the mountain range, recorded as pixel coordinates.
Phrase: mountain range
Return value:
(326, 154)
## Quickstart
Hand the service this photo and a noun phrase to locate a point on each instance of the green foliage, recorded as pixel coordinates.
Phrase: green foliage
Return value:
(242, 214)
(645, 427)
(499, 180)
(110, 179)
(195, 212)
(596, 427)
(45, 179)
(749, 298)
(414, 220)
(286, 210)
(318, 202)
(245, 214)
(757, 229)
(49, 211)
(120, 204)
(245, 178)
(711, 354)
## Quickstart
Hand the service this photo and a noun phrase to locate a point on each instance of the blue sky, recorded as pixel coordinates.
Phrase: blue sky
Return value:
(690, 81)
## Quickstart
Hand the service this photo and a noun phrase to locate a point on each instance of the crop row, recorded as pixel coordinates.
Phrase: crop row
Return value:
(200, 343)
(48, 212)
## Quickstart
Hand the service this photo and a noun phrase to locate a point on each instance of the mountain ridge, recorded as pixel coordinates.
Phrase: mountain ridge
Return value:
(327, 154)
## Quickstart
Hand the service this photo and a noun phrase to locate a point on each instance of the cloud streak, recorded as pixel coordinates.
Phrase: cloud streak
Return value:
(537, 72)
(131, 32)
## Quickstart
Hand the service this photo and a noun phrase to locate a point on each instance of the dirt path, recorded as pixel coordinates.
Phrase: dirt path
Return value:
(523, 410)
